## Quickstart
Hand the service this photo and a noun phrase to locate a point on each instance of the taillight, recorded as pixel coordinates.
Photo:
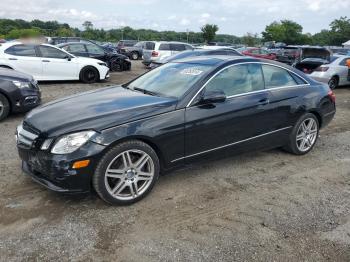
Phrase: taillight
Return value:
(322, 69)
(331, 95)
(154, 53)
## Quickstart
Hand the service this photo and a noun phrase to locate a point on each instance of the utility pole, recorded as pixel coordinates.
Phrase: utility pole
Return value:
(187, 33)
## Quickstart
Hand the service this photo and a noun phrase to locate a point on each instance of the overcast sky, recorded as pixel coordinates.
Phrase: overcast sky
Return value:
(232, 16)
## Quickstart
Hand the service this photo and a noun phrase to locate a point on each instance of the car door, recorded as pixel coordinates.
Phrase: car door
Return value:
(242, 121)
(24, 58)
(164, 50)
(57, 65)
(177, 48)
(77, 50)
(96, 52)
(285, 88)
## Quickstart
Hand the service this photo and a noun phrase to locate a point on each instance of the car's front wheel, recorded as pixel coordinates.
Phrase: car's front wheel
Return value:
(89, 74)
(304, 135)
(126, 173)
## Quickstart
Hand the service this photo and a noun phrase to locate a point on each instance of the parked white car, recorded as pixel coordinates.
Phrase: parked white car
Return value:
(334, 74)
(49, 63)
(156, 51)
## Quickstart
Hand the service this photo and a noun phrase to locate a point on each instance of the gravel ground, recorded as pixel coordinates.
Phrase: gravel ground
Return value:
(265, 206)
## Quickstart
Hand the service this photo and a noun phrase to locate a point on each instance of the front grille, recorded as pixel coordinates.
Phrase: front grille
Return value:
(25, 137)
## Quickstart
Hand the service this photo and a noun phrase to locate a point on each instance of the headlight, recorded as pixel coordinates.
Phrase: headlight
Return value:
(20, 84)
(102, 64)
(69, 143)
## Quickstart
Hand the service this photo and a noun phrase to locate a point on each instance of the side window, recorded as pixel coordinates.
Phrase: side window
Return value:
(164, 47)
(94, 49)
(21, 50)
(219, 52)
(277, 77)
(343, 62)
(188, 47)
(255, 51)
(51, 52)
(149, 46)
(79, 48)
(66, 48)
(237, 80)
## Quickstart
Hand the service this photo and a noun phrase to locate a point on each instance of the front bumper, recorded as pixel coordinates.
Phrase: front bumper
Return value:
(55, 172)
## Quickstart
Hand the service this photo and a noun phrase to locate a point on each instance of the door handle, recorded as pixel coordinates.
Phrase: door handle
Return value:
(46, 61)
(263, 102)
(12, 58)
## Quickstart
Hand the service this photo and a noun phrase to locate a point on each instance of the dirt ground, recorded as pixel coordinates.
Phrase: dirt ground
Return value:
(266, 206)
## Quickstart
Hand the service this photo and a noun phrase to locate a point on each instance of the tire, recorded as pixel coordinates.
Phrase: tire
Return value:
(305, 132)
(135, 56)
(333, 82)
(116, 65)
(4, 107)
(89, 74)
(126, 173)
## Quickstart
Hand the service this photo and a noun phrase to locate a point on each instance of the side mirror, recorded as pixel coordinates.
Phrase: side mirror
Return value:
(69, 58)
(216, 96)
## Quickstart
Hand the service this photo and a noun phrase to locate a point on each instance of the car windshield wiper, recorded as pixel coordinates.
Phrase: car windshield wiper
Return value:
(148, 92)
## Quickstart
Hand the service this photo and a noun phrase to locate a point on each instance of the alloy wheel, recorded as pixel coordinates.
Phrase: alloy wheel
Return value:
(307, 134)
(1, 108)
(129, 174)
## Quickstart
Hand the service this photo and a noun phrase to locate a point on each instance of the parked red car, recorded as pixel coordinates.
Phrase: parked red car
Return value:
(259, 53)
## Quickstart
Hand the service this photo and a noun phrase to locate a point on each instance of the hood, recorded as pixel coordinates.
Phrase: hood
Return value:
(97, 110)
(10, 74)
(319, 53)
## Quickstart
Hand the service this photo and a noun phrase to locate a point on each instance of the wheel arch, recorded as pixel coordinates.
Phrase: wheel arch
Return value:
(8, 99)
(318, 116)
(144, 139)
(88, 66)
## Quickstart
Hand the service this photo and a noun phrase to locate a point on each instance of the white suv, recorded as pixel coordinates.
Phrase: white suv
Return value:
(46, 63)
(156, 51)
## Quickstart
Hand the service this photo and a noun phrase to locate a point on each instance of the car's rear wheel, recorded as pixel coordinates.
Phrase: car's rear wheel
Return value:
(4, 107)
(135, 55)
(89, 75)
(333, 82)
(304, 135)
(126, 173)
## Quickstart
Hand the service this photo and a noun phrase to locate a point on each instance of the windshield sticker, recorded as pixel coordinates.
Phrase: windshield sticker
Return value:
(191, 71)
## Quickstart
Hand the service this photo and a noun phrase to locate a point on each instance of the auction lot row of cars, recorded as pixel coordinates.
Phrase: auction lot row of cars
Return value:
(197, 105)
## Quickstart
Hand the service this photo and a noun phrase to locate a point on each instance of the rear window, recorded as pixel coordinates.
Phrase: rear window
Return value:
(164, 47)
(21, 50)
(149, 46)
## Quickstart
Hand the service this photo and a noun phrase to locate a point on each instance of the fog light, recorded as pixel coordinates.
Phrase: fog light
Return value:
(81, 164)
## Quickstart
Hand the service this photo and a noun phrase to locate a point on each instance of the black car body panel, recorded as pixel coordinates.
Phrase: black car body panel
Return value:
(100, 53)
(21, 99)
(181, 131)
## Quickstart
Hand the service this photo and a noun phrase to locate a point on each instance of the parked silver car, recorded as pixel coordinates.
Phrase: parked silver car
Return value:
(162, 50)
(334, 74)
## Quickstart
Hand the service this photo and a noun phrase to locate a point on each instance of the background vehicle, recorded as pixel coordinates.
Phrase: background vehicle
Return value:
(135, 52)
(19, 92)
(259, 53)
(163, 49)
(125, 43)
(119, 139)
(115, 61)
(287, 54)
(46, 63)
(196, 52)
(310, 58)
(334, 74)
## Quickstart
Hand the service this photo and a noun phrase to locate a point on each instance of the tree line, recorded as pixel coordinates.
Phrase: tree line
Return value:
(286, 31)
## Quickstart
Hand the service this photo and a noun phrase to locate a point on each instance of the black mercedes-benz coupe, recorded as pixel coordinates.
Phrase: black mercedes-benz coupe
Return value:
(117, 140)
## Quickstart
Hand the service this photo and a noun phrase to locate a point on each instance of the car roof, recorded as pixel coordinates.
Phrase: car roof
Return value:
(214, 60)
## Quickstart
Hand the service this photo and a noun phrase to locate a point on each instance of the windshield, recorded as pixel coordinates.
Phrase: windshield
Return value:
(170, 80)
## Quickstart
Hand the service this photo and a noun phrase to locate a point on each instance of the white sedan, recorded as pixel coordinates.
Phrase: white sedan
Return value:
(49, 63)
